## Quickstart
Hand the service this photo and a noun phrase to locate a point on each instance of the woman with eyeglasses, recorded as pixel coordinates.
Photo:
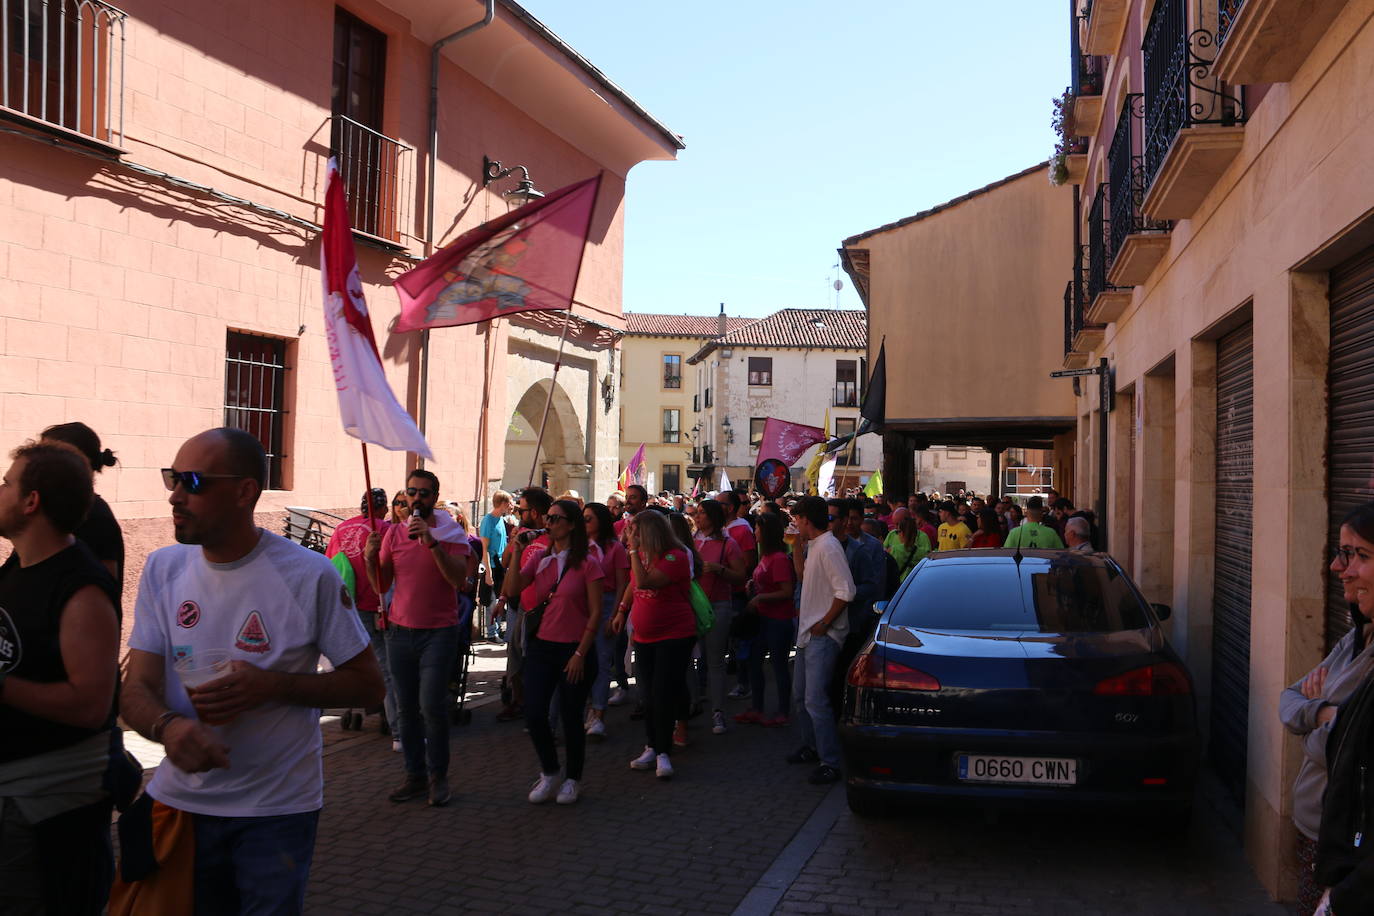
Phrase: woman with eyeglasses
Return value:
(615, 565)
(722, 565)
(665, 629)
(1328, 835)
(561, 596)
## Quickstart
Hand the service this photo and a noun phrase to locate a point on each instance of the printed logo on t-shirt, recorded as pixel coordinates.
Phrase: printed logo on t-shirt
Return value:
(180, 652)
(188, 615)
(345, 597)
(11, 648)
(253, 635)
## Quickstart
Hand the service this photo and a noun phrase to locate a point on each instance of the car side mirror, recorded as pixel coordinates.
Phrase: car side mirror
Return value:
(879, 607)
(1162, 611)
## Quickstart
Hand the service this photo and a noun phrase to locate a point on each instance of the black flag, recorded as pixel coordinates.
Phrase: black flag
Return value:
(874, 409)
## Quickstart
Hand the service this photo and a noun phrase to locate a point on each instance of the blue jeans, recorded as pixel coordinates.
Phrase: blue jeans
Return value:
(369, 622)
(253, 866)
(776, 638)
(605, 655)
(811, 698)
(421, 664)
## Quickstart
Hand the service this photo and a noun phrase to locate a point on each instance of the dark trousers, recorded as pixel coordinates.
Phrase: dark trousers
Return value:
(661, 672)
(253, 864)
(860, 629)
(544, 676)
(775, 638)
(60, 865)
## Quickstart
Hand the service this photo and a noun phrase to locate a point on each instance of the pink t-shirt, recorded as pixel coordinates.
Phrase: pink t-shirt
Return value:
(614, 557)
(565, 619)
(349, 538)
(716, 550)
(665, 613)
(743, 535)
(423, 599)
(774, 572)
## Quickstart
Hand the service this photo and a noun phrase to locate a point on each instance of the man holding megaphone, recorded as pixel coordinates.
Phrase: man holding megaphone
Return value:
(427, 560)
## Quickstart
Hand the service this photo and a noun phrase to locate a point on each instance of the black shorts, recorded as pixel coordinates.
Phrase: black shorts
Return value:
(487, 593)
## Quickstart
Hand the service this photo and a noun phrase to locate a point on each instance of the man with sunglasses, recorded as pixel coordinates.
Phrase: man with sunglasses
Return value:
(427, 568)
(242, 781)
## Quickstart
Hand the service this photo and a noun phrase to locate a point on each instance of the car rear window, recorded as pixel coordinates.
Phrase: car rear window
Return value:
(1069, 596)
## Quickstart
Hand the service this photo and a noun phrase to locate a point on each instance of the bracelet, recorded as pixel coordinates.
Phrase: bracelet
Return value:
(160, 724)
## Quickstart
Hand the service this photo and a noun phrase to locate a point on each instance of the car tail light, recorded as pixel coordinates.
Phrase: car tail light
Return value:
(869, 670)
(1165, 679)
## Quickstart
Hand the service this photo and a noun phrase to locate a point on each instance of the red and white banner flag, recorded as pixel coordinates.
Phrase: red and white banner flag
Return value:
(527, 260)
(786, 441)
(367, 405)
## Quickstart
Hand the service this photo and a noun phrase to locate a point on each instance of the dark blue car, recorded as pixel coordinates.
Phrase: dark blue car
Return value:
(1020, 675)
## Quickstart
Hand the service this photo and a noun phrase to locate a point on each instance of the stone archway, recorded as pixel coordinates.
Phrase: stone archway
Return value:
(562, 462)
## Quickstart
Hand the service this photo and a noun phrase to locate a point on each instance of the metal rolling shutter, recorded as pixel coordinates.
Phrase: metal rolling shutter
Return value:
(1350, 386)
(1231, 590)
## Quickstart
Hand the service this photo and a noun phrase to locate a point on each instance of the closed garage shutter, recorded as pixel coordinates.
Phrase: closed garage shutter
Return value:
(1231, 591)
(1350, 461)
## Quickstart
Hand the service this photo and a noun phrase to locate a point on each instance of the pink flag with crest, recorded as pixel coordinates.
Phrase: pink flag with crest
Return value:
(787, 441)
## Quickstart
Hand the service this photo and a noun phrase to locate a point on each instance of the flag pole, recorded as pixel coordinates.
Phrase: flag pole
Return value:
(367, 480)
(553, 380)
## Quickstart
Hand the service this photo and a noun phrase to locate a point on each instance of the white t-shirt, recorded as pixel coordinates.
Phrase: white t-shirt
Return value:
(280, 607)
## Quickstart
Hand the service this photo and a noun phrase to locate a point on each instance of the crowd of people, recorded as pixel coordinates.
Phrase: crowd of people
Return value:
(660, 601)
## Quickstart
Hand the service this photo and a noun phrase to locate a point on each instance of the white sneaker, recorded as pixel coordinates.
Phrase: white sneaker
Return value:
(718, 723)
(567, 793)
(545, 788)
(616, 698)
(645, 760)
(665, 767)
(596, 729)
(739, 692)
(396, 745)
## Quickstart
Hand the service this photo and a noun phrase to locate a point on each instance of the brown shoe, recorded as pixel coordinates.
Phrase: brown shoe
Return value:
(413, 787)
(438, 791)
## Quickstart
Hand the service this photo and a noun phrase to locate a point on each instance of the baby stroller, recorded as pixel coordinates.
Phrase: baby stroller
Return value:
(458, 713)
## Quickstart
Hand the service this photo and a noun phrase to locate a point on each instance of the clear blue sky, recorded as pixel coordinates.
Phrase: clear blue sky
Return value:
(807, 122)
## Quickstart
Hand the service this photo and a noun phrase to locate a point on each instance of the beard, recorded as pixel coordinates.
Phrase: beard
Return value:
(185, 529)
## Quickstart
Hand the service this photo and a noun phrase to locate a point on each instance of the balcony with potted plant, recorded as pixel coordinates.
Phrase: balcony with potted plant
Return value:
(1069, 163)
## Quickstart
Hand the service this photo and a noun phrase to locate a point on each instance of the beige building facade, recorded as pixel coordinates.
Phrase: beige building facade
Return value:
(981, 274)
(1226, 284)
(660, 407)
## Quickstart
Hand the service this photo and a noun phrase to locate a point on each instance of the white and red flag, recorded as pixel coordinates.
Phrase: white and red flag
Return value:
(527, 260)
(367, 405)
(786, 441)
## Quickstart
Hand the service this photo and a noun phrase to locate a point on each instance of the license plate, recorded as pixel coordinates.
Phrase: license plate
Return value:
(1035, 771)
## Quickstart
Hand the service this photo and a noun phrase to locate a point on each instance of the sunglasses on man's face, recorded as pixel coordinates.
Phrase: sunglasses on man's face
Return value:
(193, 482)
(422, 492)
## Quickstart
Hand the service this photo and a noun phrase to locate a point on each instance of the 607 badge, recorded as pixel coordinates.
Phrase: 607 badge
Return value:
(11, 649)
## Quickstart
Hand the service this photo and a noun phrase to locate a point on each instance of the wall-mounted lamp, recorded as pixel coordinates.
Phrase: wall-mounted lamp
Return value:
(726, 353)
(523, 192)
(608, 391)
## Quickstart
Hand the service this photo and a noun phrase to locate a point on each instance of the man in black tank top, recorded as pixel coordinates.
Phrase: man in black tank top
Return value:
(59, 648)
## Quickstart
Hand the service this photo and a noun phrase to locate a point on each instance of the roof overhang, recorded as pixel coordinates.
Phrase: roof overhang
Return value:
(855, 263)
(520, 59)
(991, 433)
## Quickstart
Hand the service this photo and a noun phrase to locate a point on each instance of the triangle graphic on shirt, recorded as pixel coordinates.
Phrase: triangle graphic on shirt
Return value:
(253, 635)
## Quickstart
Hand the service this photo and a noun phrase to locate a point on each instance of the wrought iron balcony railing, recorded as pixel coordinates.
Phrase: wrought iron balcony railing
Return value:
(707, 401)
(1227, 13)
(1126, 179)
(1076, 301)
(64, 64)
(1070, 297)
(1098, 228)
(1180, 89)
(696, 403)
(378, 173)
(846, 394)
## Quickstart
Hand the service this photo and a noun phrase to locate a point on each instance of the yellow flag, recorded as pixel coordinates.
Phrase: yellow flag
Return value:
(813, 470)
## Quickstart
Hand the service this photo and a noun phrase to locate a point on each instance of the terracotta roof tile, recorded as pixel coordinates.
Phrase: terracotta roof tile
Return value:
(838, 329)
(650, 324)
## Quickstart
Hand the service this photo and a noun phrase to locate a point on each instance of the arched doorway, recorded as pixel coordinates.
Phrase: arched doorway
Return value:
(562, 462)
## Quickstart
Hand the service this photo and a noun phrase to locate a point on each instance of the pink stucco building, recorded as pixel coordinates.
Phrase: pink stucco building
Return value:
(161, 179)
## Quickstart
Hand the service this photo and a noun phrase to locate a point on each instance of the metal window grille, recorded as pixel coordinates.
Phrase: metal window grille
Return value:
(377, 171)
(254, 394)
(64, 64)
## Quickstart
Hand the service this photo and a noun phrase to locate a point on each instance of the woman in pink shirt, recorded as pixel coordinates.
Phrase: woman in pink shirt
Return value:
(615, 564)
(722, 566)
(665, 629)
(771, 592)
(561, 591)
